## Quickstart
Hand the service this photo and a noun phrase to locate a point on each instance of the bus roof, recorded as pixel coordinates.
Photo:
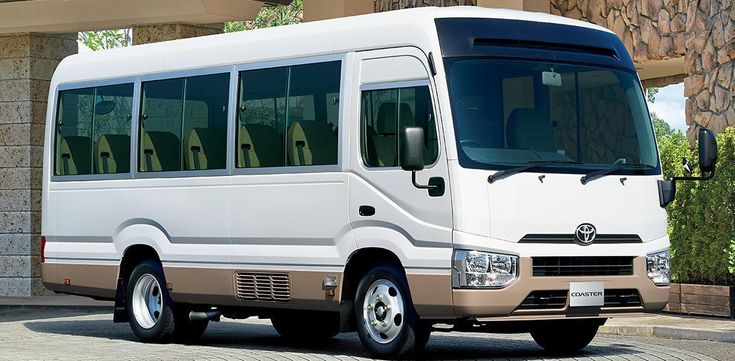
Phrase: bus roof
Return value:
(410, 27)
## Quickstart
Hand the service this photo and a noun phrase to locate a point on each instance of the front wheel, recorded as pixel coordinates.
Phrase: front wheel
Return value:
(565, 337)
(386, 320)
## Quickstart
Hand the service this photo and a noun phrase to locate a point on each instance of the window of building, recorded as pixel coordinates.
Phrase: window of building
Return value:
(183, 124)
(385, 112)
(93, 130)
(288, 116)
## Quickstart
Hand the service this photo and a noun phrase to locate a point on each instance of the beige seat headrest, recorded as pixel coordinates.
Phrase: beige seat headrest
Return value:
(112, 154)
(74, 155)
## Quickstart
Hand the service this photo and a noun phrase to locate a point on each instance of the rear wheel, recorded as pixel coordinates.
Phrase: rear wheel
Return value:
(386, 320)
(305, 326)
(153, 315)
(565, 337)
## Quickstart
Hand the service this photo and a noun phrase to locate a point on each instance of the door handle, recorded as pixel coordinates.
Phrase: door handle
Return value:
(366, 211)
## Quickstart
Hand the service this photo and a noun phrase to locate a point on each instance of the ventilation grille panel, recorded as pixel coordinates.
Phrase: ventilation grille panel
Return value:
(268, 287)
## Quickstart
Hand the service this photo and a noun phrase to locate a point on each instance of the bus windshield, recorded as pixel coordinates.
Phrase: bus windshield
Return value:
(569, 118)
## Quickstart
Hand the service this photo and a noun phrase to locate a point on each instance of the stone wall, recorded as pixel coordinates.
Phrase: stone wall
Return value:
(710, 65)
(387, 5)
(27, 62)
(650, 29)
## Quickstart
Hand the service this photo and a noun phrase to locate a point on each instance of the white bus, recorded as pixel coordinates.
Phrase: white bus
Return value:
(392, 174)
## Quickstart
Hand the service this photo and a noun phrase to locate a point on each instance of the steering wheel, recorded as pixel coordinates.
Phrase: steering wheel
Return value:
(470, 142)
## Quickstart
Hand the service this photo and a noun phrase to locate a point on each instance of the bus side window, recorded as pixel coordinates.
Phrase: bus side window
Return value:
(93, 131)
(183, 124)
(385, 112)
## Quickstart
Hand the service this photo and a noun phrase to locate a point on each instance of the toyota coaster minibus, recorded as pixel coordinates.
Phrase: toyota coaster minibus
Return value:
(394, 174)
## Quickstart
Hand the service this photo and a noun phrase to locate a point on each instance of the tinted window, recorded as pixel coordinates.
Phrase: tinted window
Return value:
(262, 118)
(183, 124)
(288, 116)
(93, 130)
(384, 113)
(111, 131)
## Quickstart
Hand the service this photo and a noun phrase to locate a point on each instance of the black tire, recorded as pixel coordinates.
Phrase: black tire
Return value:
(163, 330)
(306, 326)
(411, 336)
(565, 337)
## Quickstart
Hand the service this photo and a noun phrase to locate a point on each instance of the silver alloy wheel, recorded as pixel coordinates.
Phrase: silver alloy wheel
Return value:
(147, 301)
(383, 311)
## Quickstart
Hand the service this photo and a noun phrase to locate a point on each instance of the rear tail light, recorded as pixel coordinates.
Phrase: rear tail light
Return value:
(43, 249)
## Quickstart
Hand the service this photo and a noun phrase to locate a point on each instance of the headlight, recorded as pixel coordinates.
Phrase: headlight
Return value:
(657, 265)
(474, 269)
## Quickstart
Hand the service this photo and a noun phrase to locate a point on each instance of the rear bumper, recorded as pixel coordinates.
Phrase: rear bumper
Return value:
(489, 304)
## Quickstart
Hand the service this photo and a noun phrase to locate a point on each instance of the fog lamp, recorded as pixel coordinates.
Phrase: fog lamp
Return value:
(475, 269)
(657, 265)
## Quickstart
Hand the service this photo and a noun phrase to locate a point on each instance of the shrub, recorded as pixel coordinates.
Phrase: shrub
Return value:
(702, 218)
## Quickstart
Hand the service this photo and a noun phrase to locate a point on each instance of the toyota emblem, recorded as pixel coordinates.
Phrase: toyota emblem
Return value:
(585, 234)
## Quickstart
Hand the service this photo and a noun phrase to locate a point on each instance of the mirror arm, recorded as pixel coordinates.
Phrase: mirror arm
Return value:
(421, 186)
(700, 178)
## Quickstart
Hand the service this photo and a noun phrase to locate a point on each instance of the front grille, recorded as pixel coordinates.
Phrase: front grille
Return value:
(549, 300)
(582, 266)
(544, 300)
(269, 287)
(622, 298)
(570, 238)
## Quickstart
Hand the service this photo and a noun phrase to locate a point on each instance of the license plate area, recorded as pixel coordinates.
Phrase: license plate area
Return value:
(586, 294)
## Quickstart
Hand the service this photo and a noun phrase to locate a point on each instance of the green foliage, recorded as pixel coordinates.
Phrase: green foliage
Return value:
(106, 39)
(651, 94)
(270, 16)
(660, 127)
(702, 218)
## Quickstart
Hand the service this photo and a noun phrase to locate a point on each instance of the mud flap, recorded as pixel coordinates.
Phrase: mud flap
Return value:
(120, 314)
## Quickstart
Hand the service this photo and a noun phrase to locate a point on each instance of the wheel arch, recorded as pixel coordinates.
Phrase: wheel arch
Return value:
(357, 264)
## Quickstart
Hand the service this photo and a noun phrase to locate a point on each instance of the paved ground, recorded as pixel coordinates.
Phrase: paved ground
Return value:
(81, 335)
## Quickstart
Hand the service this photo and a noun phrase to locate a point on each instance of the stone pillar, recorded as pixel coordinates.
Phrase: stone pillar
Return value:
(710, 64)
(527, 5)
(145, 34)
(331, 9)
(27, 62)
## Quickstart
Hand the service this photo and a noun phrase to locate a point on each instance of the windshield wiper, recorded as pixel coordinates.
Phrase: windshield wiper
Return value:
(505, 173)
(589, 177)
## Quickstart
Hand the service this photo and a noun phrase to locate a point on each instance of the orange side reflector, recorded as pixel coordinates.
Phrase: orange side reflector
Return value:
(169, 286)
(67, 282)
(330, 292)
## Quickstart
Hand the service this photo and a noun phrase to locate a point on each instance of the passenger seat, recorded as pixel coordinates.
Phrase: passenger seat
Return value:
(385, 139)
(205, 148)
(530, 128)
(260, 146)
(112, 154)
(74, 156)
(311, 143)
(160, 152)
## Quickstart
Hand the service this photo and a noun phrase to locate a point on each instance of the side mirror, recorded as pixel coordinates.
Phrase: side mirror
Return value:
(411, 158)
(707, 162)
(707, 150)
(411, 149)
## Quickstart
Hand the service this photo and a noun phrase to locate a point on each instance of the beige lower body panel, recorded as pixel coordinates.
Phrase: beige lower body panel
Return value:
(217, 287)
(98, 281)
(502, 303)
(431, 295)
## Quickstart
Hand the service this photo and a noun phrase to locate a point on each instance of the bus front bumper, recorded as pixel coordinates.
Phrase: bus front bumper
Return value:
(509, 301)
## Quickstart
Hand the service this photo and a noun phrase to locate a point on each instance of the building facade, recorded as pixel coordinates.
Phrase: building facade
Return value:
(670, 40)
